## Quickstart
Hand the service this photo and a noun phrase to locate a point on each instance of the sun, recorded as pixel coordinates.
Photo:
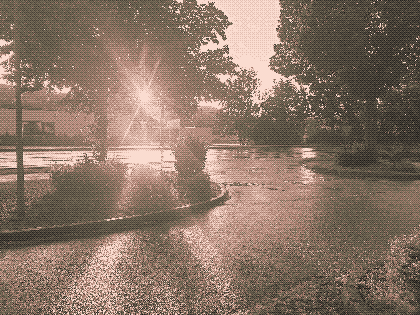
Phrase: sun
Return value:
(144, 96)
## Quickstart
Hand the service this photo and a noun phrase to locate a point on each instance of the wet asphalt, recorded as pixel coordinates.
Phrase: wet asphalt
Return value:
(283, 224)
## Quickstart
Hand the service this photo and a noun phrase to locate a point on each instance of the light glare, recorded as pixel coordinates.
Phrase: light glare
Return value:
(144, 96)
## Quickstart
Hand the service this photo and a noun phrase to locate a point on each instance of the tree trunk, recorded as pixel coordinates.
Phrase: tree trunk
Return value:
(370, 123)
(101, 118)
(20, 185)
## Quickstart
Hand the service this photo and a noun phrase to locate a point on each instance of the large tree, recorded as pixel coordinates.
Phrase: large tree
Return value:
(282, 116)
(99, 48)
(357, 48)
(146, 45)
(108, 47)
(31, 36)
(240, 105)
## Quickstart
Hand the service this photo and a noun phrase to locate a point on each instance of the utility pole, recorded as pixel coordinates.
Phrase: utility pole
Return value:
(162, 119)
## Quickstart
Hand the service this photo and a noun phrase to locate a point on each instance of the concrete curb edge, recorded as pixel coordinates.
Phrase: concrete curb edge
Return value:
(361, 173)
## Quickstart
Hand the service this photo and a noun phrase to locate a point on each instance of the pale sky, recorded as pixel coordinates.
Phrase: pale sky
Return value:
(252, 35)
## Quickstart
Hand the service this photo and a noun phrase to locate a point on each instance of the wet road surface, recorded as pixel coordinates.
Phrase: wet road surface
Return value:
(282, 225)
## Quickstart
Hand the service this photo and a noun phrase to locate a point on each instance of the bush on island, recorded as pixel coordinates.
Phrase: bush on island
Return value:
(149, 190)
(193, 184)
(195, 188)
(190, 155)
(326, 136)
(88, 186)
(357, 154)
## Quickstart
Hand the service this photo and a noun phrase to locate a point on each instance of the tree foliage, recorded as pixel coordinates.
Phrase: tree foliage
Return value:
(100, 48)
(134, 36)
(283, 114)
(353, 49)
(239, 107)
(399, 119)
(286, 103)
(31, 40)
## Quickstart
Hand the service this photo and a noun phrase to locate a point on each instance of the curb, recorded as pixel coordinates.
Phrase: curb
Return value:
(337, 171)
(361, 173)
(108, 225)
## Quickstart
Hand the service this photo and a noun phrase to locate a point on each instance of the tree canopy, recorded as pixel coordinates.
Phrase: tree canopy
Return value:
(282, 115)
(102, 47)
(356, 49)
(239, 106)
(154, 43)
(99, 48)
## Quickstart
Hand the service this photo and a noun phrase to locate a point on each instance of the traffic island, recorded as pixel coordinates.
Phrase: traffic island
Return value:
(325, 164)
(109, 225)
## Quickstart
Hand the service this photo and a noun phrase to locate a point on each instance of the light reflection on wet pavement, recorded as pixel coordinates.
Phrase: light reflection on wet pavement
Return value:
(282, 225)
(53, 158)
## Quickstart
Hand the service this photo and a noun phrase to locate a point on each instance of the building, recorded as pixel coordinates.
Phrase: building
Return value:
(45, 122)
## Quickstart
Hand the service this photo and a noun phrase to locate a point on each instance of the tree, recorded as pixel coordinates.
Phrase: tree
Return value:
(360, 48)
(145, 45)
(23, 27)
(239, 108)
(283, 114)
(399, 115)
(287, 102)
(103, 47)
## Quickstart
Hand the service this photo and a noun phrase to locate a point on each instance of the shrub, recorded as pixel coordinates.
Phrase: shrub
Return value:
(190, 156)
(150, 190)
(88, 187)
(195, 188)
(357, 155)
(325, 136)
(405, 255)
(270, 132)
(396, 153)
(396, 285)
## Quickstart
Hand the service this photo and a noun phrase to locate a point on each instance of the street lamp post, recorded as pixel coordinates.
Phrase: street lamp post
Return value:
(162, 120)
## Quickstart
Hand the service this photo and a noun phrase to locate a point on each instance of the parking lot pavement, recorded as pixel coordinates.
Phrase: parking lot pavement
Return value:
(13, 177)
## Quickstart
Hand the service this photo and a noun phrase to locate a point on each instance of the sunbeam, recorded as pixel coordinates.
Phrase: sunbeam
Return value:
(137, 80)
(144, 96)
